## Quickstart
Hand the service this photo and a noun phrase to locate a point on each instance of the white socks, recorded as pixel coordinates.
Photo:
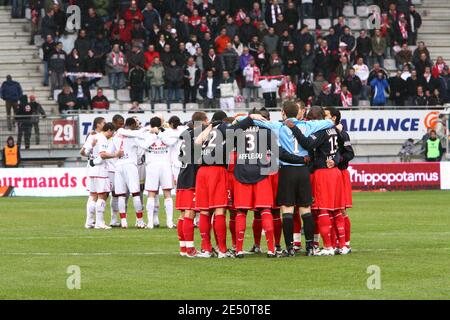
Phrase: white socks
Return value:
(168, 206)
(137, 204)
(90, 212)
(114, 210)
(150, 212)
(99, 213)
(156, 211)
(122, 205)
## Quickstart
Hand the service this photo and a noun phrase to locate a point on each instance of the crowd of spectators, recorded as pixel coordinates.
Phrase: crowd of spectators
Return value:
(230, 50)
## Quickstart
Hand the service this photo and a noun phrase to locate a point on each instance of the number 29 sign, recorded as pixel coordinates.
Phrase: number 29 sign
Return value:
(64, 132)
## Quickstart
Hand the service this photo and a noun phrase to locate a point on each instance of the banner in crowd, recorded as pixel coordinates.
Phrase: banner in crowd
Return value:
(361, 124)
(62, 182)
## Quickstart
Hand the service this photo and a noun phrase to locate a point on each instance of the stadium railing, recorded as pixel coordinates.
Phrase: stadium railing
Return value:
(62, 131)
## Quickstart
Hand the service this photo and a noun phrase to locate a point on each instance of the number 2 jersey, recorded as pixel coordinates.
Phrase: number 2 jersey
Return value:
(216, 148)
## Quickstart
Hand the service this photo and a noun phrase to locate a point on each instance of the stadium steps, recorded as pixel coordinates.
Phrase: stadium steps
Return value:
(21, 60)
(435, 30)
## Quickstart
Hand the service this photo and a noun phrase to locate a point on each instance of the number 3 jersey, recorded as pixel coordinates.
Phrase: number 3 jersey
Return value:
(253, 155)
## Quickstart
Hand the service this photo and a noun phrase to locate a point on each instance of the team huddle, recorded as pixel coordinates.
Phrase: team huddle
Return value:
(292, 174)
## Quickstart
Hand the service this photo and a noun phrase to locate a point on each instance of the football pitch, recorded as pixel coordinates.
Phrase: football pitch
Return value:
(400, 240)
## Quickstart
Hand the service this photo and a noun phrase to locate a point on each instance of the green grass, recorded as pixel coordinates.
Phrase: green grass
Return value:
(406, 234)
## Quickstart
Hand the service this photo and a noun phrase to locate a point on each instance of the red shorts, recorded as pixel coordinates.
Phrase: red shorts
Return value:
(274, 182)
(253, 196)
(211, 188)
(185, 199)
(347, 188)
(328, 189)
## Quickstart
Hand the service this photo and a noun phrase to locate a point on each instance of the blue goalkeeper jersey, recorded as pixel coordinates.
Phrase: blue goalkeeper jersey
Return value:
(287, 140)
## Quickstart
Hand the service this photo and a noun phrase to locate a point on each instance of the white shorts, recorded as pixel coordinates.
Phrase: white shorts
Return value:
(227, 104)
(126, 179)
(141, 169)
(158, 174)
(99, 185)
(111, 179)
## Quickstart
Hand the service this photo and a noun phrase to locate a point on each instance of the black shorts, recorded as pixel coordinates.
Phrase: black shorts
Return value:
(294, 186)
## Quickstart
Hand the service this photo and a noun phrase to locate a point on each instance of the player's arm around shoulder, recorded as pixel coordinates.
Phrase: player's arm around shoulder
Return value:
(314, 126)
(203, 135)
(308, 143)
(169, 138)
(105, 150)
(260, 121)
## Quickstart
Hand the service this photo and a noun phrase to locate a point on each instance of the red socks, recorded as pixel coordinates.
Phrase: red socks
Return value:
(181, 235)
(220, 226)
(205, 232)
(241, 224)
(213, 223)
(324, 227)
(297, 228)
(257, 229)
(339, 224)
(139, 214)
(232, 226)
(347, 226)
(277, 228)
(333, 233)
(188, 229)
(267, 225)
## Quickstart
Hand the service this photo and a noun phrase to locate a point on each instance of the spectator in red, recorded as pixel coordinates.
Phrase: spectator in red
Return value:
(195, 19)
(133, 13)
(345, 97)
(99, 102)
(239, 17)
(149, 56)
(288, 89)
(123, 31)
(438, 67)
(221, 41)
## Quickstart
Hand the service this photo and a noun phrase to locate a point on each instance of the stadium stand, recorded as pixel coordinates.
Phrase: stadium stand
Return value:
(24, 61)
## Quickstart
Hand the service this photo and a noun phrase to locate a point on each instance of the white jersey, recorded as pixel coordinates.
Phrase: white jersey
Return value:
(111, 163)
(99, 170)
(129, 147)
(175, 148)
(157, 146)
